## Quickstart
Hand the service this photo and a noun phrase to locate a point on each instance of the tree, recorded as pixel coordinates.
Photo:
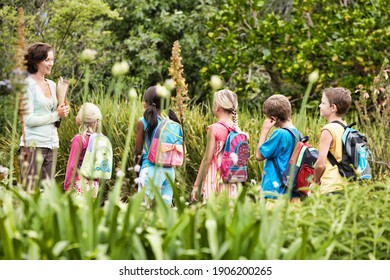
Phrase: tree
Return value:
(260, 53)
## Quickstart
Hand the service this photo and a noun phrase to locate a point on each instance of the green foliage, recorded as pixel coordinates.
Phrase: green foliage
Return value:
(147, 31)
(7, 32)
(373, 108)
(6, 102)
(69, 27)
(258, 53)
(53, 225)
(258, 47)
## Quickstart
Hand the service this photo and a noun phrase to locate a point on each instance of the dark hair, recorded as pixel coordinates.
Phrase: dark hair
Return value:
(35, 54)
(155, 103)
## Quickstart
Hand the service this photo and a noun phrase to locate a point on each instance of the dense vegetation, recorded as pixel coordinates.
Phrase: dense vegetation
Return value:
(51, 225)
(258, 48)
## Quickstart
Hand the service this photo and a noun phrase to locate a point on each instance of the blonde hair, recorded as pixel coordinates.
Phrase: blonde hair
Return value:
(228, 101)
(91, 117)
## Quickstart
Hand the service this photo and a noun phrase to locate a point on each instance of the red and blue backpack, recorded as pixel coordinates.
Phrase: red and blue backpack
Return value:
(300, 169)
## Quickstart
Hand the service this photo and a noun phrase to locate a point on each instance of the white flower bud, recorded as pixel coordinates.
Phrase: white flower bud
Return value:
(138, 230)
(120, 173)
(132, 93)
(162, 91)
(120, 68)
(215, 82)
(313, 77)
(169, 84)
(88, 55)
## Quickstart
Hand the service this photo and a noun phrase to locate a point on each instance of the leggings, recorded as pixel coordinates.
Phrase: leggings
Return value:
(29, 166)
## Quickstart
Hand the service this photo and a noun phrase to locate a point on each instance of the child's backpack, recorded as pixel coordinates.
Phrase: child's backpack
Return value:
(167, 147)
(235, 157)
(97, 162)
(354, 163)
(300, 169)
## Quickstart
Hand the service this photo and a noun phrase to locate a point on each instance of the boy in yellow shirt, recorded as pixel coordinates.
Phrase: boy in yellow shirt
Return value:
(335, 103)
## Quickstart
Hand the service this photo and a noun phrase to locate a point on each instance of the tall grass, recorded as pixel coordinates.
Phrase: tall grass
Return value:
(54, 225)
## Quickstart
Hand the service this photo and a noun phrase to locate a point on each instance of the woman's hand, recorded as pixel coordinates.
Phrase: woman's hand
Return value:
(63, 111)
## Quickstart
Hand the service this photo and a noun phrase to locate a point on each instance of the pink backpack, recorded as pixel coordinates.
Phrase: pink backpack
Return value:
(167, 147)
(235, 157)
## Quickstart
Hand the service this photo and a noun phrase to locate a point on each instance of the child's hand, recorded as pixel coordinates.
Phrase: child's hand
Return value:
(193, 194)
(268, 124)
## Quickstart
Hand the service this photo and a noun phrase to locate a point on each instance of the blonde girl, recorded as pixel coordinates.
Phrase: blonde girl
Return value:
(88, 120)
(225, 110)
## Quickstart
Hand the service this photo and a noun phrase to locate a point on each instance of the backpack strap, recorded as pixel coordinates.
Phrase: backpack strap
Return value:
(333, 160)
(340, 123)
(159, 120)
(297, 138)
(226, 126)
(343, 125)
(277, 171)
(330, 156)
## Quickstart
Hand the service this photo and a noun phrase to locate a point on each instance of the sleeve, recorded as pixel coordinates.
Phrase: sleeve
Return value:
(32, 120)
(74, 155)
(268, 148)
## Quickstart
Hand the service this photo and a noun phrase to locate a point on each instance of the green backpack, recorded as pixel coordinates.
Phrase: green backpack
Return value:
(97, 162)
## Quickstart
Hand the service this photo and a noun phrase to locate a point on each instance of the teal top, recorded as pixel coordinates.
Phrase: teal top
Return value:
(40, 117)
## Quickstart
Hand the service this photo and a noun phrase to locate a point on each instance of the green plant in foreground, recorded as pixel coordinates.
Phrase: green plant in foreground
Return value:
(18, 87)
(54, 225)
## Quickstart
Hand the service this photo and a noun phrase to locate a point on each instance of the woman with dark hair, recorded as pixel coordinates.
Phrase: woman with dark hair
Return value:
(42, 111)
(149, 174)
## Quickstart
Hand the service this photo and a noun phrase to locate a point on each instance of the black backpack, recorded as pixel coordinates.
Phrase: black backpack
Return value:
(354, 164)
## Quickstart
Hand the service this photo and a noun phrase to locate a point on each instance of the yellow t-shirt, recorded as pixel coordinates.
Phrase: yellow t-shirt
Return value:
(331, 180)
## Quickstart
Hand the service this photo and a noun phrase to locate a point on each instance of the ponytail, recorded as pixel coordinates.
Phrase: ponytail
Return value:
(151, 117)
(173, 116)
